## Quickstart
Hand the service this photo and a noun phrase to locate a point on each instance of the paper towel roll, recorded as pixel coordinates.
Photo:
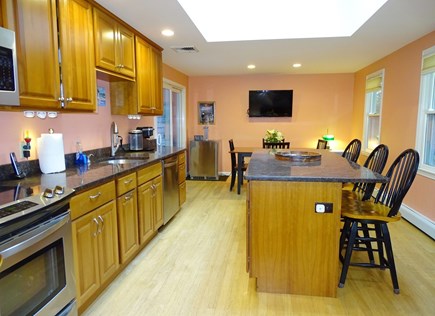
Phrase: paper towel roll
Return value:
(51, 153)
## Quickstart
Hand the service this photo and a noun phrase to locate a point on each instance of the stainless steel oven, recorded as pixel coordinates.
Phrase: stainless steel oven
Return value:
(9, 93)
(36, 260)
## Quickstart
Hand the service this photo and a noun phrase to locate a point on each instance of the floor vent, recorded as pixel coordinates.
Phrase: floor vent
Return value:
(185, 49)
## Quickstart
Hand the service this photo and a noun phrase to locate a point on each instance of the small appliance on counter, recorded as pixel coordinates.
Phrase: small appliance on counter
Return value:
(136, 140)
(148, 143)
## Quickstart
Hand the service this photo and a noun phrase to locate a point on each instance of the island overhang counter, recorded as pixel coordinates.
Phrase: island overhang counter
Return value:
(291, 247)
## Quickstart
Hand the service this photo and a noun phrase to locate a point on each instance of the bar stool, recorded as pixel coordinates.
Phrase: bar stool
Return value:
(374, 216)
(352, 150)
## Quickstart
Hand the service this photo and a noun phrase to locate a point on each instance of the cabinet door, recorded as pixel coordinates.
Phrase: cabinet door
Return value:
(77, 51)
(126, 52)
(108, 241)
(105, 41)
(128, 225)
(149, 78)
(145, 208)
(86, 259)
(182, 192)
(37, 53)
(158, 202)
(156, 80)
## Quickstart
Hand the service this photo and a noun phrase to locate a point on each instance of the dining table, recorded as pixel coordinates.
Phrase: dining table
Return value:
(242, 153)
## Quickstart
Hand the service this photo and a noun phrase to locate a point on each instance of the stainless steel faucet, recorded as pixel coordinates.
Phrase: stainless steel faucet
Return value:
(114, 139)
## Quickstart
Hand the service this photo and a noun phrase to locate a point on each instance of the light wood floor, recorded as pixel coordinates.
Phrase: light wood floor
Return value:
(196, 266)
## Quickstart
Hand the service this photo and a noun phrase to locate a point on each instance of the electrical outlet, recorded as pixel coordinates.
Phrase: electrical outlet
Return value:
(323, 207)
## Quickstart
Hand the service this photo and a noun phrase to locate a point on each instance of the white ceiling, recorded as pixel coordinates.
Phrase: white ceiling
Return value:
(396, 24)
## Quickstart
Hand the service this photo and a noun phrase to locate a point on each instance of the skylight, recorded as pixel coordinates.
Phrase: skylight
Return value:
(244, 20)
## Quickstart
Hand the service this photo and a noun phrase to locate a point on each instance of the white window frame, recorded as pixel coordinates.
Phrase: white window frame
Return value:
(369, 113)
(426, 108)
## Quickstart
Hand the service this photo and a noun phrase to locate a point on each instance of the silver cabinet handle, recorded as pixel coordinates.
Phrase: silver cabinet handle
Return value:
(102, 223)
(128, 181)
(69, 99)
(93, 197)
(128, 196)
(98, 227)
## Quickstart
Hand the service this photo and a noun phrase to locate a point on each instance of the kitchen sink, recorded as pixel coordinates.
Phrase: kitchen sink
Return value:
(119, 161)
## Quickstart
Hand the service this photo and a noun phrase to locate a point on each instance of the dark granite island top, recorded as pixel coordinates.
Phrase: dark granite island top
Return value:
(263, 166)
(292, 246)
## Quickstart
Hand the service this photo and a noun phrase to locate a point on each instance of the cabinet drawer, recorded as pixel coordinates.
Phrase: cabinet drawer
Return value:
(149, 173)
(91, 199)
(182, 158)
(181, 172)
(125, 184)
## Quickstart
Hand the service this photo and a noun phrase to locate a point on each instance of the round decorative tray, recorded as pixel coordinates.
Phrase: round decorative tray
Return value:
(300, 156)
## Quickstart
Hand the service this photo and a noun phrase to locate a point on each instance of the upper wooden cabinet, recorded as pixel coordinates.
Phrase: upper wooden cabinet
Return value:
(45, 30)
(114, 46)
(149, 78)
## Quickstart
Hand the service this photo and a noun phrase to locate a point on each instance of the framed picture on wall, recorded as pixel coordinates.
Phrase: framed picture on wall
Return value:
(206, 112)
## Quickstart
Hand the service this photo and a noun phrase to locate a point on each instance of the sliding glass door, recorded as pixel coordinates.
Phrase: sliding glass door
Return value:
(171, 127)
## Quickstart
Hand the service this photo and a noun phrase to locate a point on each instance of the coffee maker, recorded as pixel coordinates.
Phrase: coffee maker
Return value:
(148, 143)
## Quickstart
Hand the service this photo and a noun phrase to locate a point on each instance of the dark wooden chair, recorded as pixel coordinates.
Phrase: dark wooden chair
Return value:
(234, 165)
(278, 145)
(373, 216)
(322, 144)
(376, 162)
(352, 150)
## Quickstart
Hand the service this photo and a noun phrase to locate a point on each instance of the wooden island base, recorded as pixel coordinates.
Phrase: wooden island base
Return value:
(291, 248)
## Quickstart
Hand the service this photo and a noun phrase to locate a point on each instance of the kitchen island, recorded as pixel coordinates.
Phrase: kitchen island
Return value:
(292, 245)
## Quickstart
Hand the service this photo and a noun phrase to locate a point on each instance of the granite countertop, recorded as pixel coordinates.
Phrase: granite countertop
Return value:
(263, 166)
(84, 177)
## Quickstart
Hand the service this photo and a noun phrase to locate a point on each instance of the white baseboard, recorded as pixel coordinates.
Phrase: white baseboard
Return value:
(418, 220)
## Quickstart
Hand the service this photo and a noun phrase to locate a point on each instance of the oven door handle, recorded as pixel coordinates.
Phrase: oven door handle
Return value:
(33, 236)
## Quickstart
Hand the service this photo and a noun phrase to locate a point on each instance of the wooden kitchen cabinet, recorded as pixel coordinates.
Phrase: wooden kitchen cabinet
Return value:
(127, 217)
(149, 78)
(114, 46)
(45, 29)
(182, 177)
(150, 202)
(95, 240)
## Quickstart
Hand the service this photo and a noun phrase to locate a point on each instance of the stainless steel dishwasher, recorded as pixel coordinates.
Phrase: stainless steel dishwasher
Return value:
(170, 188)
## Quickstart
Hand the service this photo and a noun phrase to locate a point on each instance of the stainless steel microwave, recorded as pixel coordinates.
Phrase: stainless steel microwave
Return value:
(9, 92)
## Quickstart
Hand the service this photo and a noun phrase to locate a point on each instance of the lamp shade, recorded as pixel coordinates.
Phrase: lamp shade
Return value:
(328, 137)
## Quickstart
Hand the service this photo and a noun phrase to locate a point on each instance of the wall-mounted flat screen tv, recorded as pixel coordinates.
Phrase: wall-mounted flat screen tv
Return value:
(270, 103)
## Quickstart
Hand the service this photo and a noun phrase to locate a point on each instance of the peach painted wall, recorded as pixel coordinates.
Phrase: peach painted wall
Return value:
(91, 129)
(399, 112)
(320, 102)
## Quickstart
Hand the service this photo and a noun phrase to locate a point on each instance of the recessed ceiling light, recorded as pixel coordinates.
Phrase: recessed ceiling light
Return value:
(251, 66)
(168, 32)
(297, 65)
(278, 19)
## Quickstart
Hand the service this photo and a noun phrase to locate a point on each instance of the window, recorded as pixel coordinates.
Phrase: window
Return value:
(373, 109)
(425, 142)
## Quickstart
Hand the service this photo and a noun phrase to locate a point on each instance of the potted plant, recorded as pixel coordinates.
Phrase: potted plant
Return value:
(273, 136)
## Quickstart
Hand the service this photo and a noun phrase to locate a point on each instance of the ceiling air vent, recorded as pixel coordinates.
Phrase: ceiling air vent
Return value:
(185, 49)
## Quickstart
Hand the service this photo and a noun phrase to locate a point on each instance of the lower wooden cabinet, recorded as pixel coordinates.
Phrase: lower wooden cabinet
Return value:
(182, 177)
(128, 225)
(150, 207)
(150, 201)
(95, 244)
